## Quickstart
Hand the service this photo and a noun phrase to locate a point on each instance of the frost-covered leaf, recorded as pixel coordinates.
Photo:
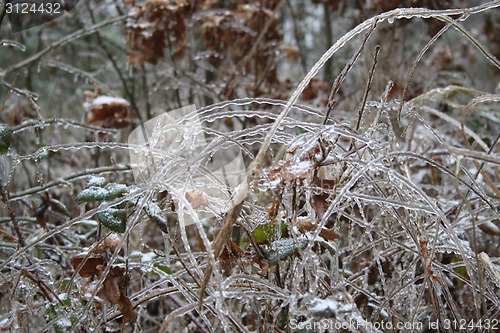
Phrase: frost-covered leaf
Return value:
(113, 219)
(96, 193)
(108, 112)
(284, 248)
(91, 194)
(97, 181)
(155, 214)
(115, 191)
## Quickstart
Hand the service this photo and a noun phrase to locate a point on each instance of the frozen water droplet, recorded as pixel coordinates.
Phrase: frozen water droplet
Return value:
(390, 20)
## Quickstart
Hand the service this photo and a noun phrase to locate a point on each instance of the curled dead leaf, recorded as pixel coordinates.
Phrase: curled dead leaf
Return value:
(197, 199)
(108, 112)
(229, 255)
(292, 52)
(113, 291)
(87, 264)
(306, 225)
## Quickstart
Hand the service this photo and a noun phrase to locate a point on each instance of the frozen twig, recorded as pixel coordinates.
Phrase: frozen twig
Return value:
(341, 77)
(367, 88)
(12, 215)
(67, 39)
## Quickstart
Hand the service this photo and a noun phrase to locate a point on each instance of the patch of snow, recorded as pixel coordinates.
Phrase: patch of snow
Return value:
(332, 306)
(97, 181)
(148, 257)
(325, 305)
(102, 100)
(64, 323)
(300, 168)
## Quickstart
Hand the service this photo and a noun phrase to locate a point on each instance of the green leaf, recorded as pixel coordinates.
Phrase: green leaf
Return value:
(97, 181)
(93, 193)
(65, 299)
(64, 284)
(265, 233)
(113, 219)
(63, 323)
(97, 193)
(162, 267)
(5, 138)
(460, 270)
(115, 191)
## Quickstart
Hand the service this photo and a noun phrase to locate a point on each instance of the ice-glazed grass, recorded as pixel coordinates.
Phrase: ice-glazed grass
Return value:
(364, 213)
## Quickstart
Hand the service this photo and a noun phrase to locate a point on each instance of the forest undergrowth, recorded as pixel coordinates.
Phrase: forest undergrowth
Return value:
(370, 197)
